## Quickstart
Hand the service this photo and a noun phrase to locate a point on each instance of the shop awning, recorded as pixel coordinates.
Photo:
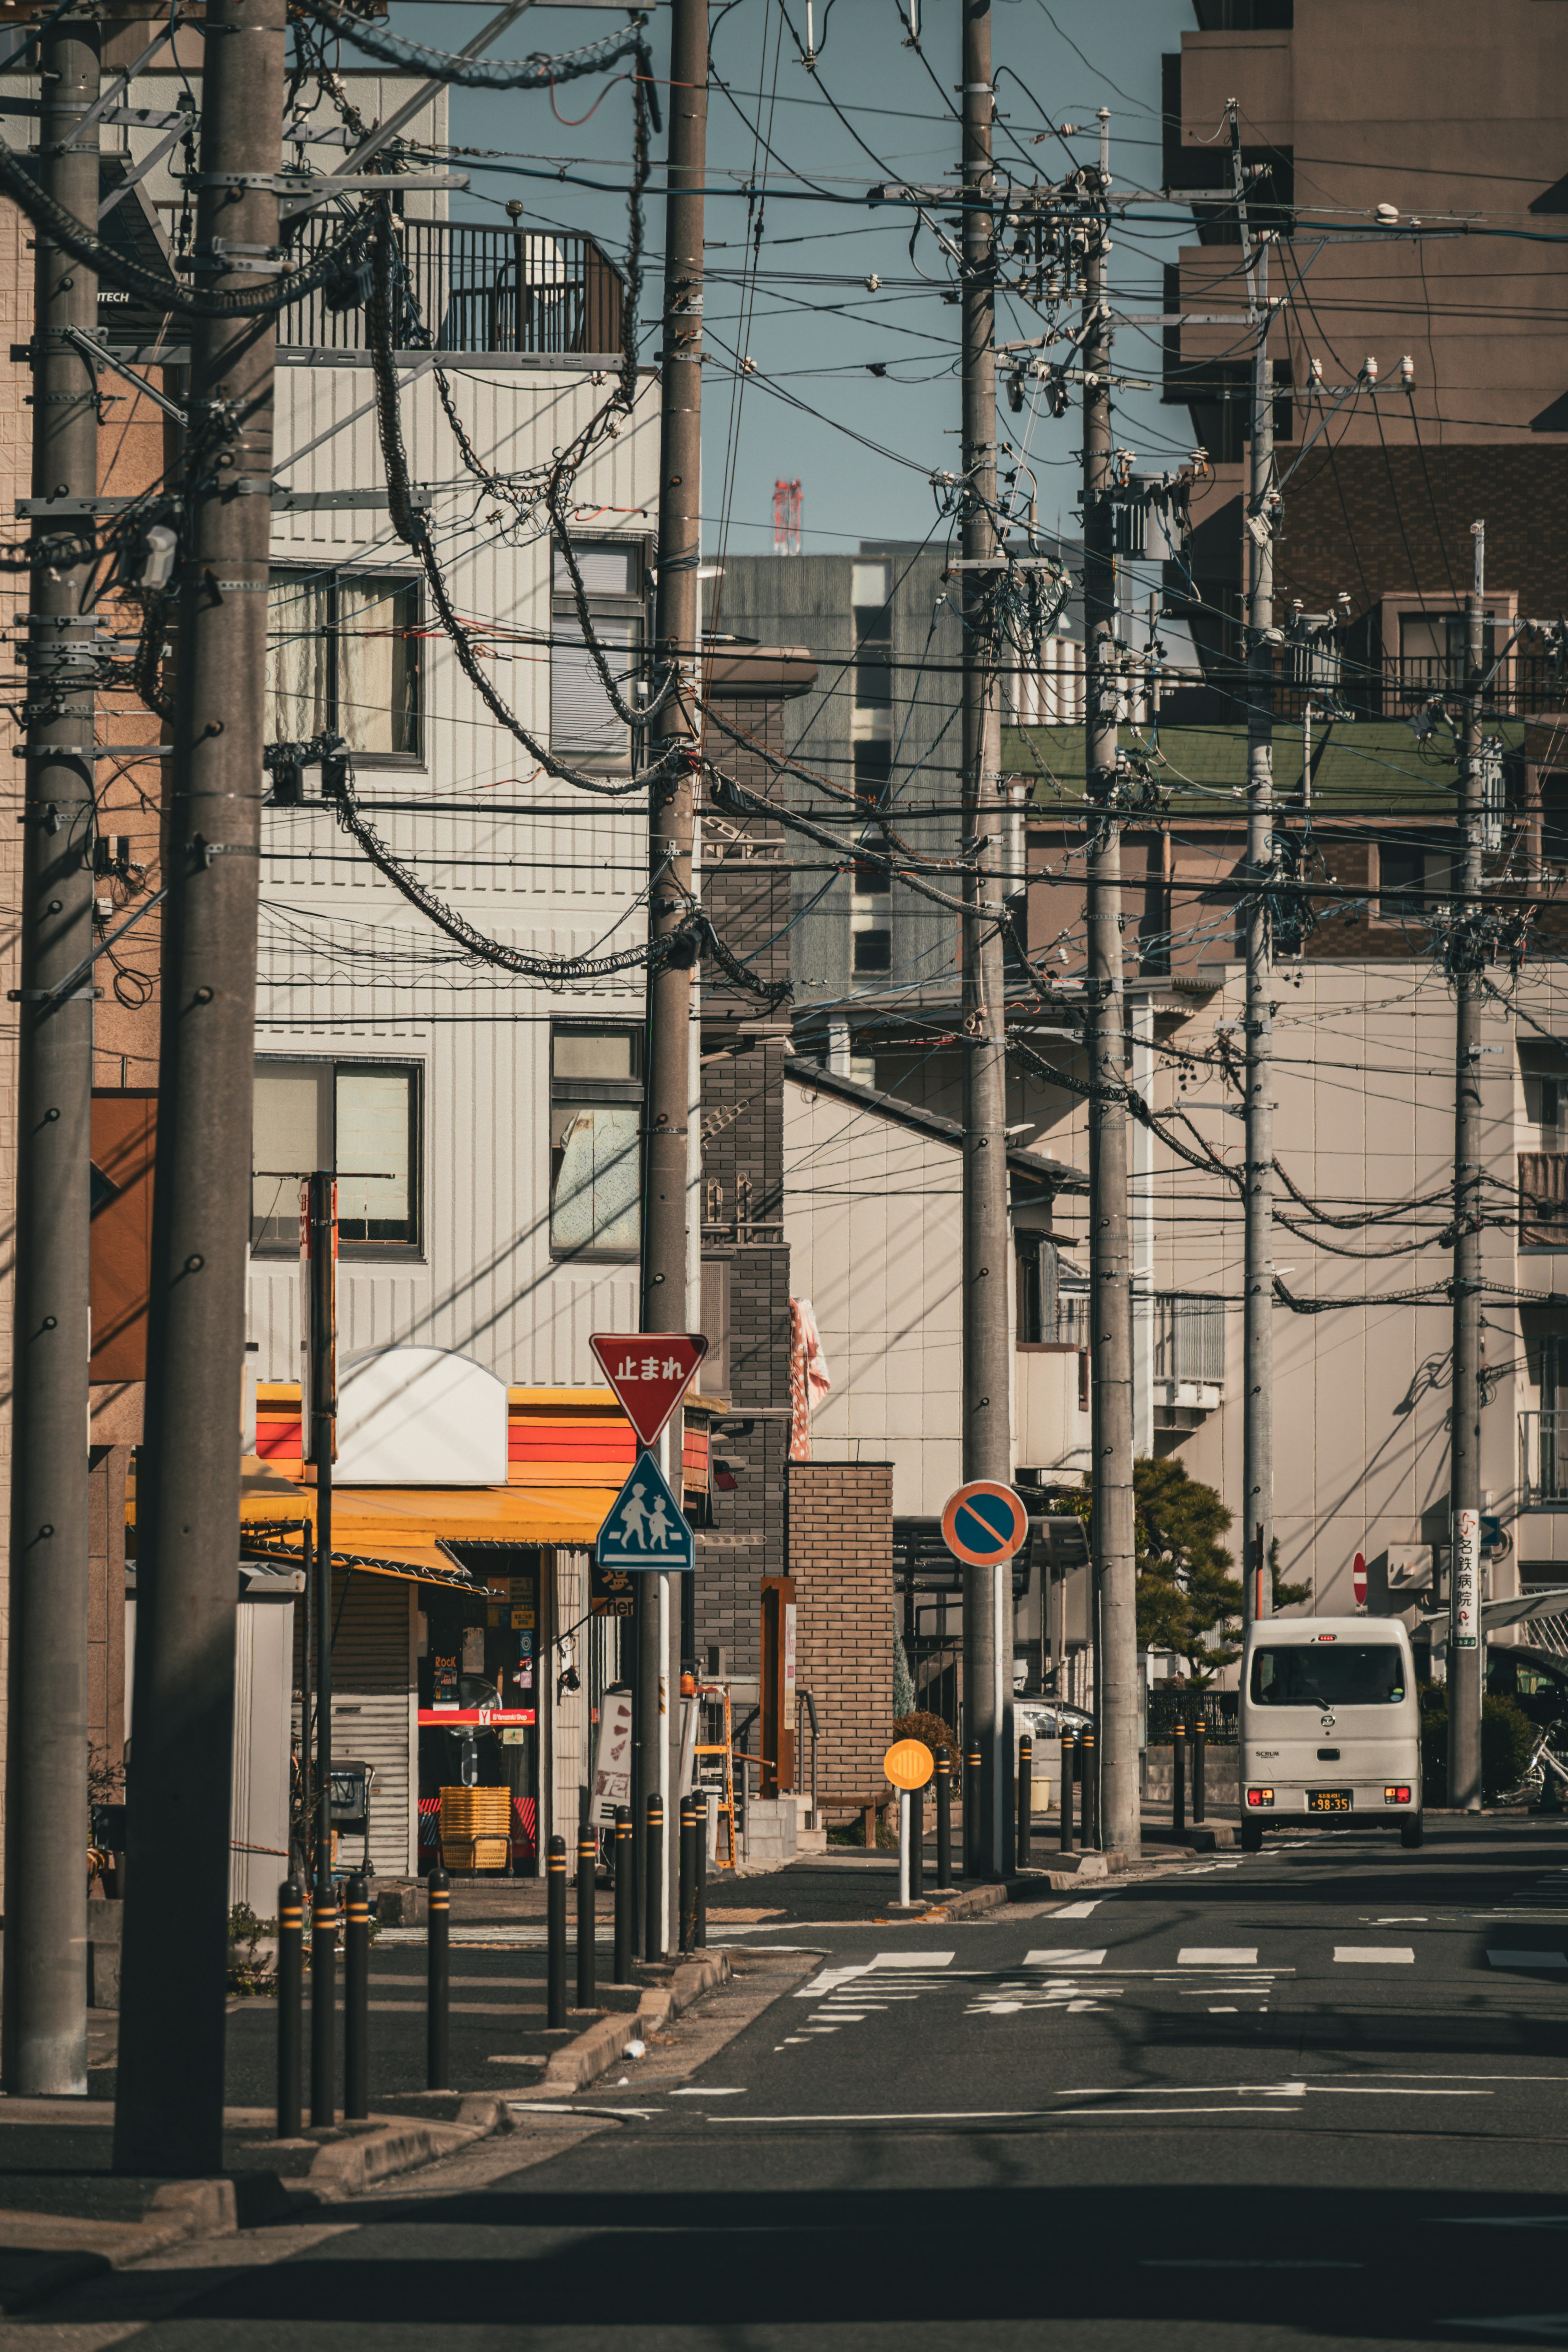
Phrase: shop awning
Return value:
(405, 1530)
(414, 1525)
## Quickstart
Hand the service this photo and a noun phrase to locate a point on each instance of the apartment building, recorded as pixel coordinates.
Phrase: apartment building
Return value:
(883, 720)
(1363, 1043)
(1408, 160)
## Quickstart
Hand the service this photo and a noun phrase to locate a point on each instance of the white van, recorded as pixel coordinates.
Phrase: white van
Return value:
(1329, 1725)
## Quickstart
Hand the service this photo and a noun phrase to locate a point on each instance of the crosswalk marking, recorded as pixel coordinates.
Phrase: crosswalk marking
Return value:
(1382, 1954)
(1068, 1958)
(1218, 1956)
(1076, 1910)
(1528, 1959)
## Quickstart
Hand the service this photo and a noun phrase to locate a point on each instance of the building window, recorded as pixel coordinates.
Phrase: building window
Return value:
(1036, 1262)
(342, 658)
(595, 1140)
(1408, 884)
(583, 722)
(873, 948)
(360, 1119)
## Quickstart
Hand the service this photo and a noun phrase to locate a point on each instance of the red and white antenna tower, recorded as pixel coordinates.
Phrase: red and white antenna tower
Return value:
(786, 517)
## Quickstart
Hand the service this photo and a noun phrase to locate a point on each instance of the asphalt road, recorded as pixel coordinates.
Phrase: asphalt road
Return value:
(1314, 2097)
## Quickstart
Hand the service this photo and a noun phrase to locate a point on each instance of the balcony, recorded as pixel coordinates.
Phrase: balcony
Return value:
(1543, 1200)
(1543, 1460)
(1189, 1359)
(475, 290)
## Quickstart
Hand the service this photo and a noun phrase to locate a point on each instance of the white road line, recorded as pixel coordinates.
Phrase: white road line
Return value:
(1551, 2326)
(1525, 1960)
(1107, 2114)
(1077, 1910)
(710, 2091)
(1068, 1958)
(1218, 1956)
(1382, 1954)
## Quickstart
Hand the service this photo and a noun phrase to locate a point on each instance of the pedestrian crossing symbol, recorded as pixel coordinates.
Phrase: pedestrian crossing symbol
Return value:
(646, 1529)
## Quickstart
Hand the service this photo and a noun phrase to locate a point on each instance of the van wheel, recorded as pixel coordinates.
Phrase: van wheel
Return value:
(1252, 1837)
(1411, 1832)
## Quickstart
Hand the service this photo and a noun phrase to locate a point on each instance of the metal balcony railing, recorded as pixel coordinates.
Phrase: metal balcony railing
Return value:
(1543, 1456)
(1189, 1338)
(475, 290)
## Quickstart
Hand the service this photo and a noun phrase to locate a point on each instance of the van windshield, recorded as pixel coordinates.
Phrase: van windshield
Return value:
(1319, 1674)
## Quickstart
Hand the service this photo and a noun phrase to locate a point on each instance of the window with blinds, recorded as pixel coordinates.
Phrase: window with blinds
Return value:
(583, 721)
(360, 1119)
(342, 658)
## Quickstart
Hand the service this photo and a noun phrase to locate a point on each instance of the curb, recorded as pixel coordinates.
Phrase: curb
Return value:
(581, 2062)
(43, 2253)
(40, 2253)
(348, 2168)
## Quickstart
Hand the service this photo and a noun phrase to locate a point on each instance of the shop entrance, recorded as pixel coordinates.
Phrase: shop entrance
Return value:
(479, 1703)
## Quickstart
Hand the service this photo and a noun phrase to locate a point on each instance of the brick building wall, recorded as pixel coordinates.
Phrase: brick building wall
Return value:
(840, 1523)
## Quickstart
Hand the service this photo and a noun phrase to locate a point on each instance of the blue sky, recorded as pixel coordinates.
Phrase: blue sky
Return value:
(862, 445)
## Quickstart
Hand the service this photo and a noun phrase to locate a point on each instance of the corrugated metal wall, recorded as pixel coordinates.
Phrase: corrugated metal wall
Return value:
(375, 1704)
(348, 966)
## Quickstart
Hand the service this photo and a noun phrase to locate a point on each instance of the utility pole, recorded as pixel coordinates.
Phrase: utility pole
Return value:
(169, 2109)
(987, 1242)
(1111, 1251)
(672, 808)
(45, 2015)
(1466, 1649)
(1257, 1025)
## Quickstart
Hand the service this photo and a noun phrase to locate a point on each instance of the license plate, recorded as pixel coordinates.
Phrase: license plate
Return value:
(1328, 1800)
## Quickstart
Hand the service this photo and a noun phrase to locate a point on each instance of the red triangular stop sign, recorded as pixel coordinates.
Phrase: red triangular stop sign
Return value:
(650, 1371)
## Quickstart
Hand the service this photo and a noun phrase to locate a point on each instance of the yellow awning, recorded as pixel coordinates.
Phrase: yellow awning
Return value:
(382, 1520)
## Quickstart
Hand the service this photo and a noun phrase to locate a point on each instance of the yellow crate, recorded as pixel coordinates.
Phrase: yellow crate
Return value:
(465, 1856)
(475, 1812)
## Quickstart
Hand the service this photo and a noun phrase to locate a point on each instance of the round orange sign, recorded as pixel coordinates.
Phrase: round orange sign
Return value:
(908, 1764)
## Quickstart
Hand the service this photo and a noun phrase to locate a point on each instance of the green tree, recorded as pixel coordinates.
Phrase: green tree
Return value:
(1186, 1590)
(1186, 1593)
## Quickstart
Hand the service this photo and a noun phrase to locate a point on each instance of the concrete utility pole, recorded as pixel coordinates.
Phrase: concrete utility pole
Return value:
(987, 1243)
(1467, 1648)
(1110, 1250)
(168, 2112)
(45, 2036)
(1257, 1286)
(671, 817)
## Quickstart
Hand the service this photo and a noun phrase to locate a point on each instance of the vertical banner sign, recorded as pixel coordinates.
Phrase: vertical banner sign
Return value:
(613, 1757)
(1465, 1617)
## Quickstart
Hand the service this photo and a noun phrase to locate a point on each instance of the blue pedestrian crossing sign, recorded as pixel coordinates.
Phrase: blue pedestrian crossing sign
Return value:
(646, 1529)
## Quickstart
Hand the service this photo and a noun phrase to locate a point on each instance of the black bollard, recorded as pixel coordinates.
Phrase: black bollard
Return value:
(437, 1979)
(291, 2006)
(1070, 1765)
(555, 1932)
(1178, 1778)
(685, 1912)
(1200, 1745)
(1090, 1795)
(587, 1871)
(323, 2008)
(973, 1804)
(943, 1819)
(653, 1881)
(917, 1845)
(356, 2000)
(1026, 1798)
(625, 1893)
(700, 1904)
